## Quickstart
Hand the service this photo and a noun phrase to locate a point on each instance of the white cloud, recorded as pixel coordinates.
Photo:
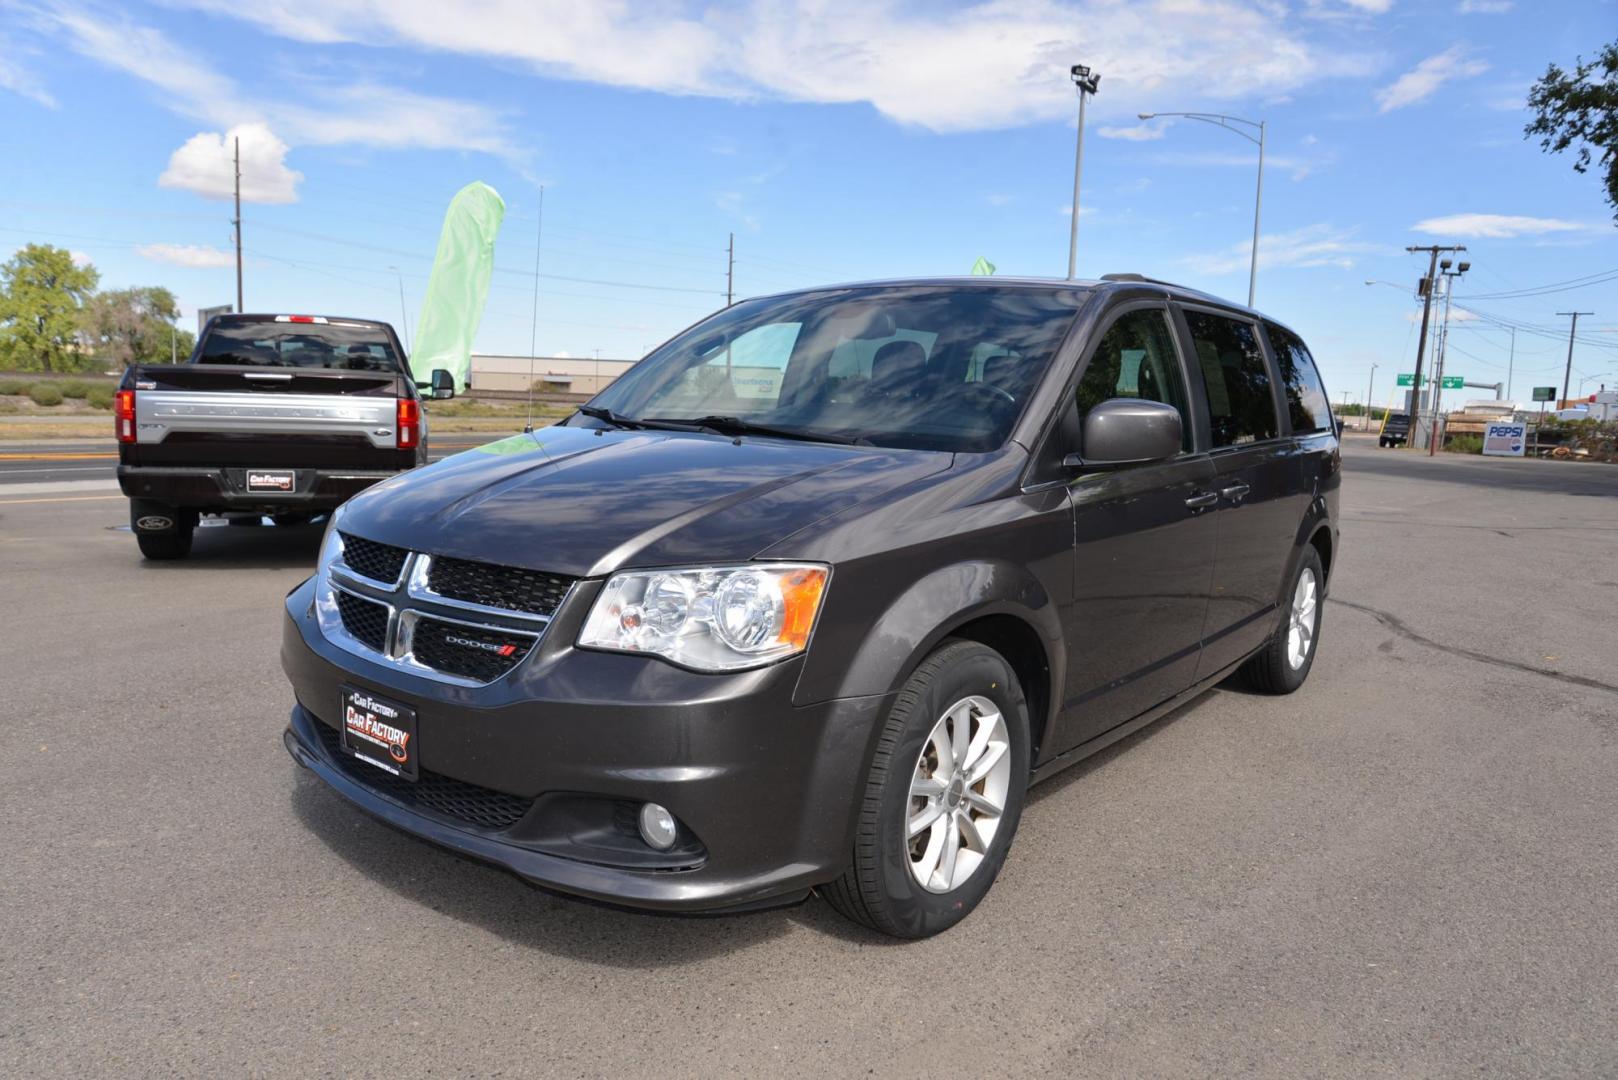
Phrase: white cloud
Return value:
(1495, 226)
(18, 79)
(79, 258)
(191, 255)
(1455, 314)
(1133, 133)
(1312, 245)
(205, 164)
(983, 64)
(1422, 81)
(1484, 7)
(363, 113)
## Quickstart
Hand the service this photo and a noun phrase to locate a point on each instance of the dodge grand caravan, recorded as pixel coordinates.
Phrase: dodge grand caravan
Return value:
(810, 596)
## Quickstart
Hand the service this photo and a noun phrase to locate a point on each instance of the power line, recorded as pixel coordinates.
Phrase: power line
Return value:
(1598, 278)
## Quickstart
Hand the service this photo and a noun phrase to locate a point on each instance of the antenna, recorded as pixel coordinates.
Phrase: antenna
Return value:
(533, 327)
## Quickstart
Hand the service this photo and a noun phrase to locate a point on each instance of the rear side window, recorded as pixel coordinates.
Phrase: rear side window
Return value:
(1240, 403)
(1136, 359)
(1306, 396)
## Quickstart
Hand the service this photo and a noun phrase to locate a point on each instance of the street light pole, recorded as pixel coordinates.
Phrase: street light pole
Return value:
(404, 316)
(1421, 342)
(1221, 120)
(1369, 383)
(1086, 81)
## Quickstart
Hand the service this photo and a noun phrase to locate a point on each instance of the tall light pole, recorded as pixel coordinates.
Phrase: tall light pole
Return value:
(1591, 378)
(404, 316)
(1369, 383)
(1086, 81)
(1221, 120)
(1425, 289)
(1443, 350)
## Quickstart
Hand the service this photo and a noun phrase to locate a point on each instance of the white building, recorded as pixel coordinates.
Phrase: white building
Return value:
(555, 374)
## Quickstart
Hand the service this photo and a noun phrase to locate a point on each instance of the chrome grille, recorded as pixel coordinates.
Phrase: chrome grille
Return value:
(472, 635)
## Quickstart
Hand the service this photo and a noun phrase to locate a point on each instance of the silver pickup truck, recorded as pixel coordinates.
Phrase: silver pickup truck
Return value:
(279, 415)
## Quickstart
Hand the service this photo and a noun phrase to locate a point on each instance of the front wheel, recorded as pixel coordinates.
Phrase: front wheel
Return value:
(943, 797)
(1284, 663)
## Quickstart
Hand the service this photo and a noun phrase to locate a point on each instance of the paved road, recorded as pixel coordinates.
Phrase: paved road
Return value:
(56, 461)
(1408, 868)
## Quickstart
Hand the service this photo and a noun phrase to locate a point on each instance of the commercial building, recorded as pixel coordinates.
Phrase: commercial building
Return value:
(550, 374)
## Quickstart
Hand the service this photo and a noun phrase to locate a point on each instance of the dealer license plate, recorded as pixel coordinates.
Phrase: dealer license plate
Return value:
(380, 732)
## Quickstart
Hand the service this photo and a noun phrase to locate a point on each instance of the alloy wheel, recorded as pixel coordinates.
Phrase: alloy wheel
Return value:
(958, 794)
(1301, 619)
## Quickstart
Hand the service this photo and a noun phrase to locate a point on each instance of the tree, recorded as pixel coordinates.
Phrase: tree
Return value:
(42, 294)
(134, 326)
(1582, 108)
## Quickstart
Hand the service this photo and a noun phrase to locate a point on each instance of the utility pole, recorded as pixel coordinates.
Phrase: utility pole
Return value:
(1571, 330)
(237, 221)
(730, 271)
(1369, 383)
(1087, 82)
(1421, 342)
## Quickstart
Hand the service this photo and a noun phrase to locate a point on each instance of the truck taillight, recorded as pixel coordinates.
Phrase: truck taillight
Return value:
(409, 423)
(124, 411)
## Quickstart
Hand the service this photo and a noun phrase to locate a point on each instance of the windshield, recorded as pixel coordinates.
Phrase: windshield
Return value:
(924, 367)
(346, 347)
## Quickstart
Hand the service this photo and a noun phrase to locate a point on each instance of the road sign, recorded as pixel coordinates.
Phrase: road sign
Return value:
(206, 313)
(1408, 380)
(1544, 393)
(1452, 382)
(1505, 440)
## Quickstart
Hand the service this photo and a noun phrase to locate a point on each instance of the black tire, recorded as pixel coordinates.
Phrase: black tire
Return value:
(1382, 444)
(1271, 671)
(878, 889)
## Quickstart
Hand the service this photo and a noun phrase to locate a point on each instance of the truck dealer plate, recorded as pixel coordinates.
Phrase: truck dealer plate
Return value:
(272, 480)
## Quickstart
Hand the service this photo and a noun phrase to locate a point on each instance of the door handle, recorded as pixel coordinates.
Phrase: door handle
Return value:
(1236, 492)
(1202, 500)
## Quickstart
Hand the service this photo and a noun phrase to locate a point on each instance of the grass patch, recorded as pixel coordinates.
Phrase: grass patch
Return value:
(99, 397)
(1465, 444)
(75, 388)
(15, 387)
(45, 394)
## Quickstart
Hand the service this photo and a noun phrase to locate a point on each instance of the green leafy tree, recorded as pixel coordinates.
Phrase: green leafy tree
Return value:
(134, 326)
(1581, 107)
(42, 295)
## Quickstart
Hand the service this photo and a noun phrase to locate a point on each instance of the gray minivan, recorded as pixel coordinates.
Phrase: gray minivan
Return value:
(809, 597)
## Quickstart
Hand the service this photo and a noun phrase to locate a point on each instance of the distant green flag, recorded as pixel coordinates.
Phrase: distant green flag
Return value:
(459, 286)
(982, 268)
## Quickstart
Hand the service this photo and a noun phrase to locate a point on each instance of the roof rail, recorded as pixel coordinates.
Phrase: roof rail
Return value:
(1136, 277)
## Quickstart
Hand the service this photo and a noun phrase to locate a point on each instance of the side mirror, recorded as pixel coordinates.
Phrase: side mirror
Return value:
(443, 384)
(1338, 424)
(1128, 431)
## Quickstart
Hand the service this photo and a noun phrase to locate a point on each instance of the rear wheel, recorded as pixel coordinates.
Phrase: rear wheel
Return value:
(162, 531)
(943, 796)
(1284, 663)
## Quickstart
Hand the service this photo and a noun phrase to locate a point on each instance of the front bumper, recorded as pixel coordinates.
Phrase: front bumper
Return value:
(193, 488)
(765, 792)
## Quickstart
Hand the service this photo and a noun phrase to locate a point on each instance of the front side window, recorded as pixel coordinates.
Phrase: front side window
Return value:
(1306, 395)
(926, 367)
(1136, 359)
(1241, 405)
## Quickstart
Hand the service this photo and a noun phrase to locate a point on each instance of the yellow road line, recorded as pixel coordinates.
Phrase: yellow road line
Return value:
(64, 498)
(53, 457)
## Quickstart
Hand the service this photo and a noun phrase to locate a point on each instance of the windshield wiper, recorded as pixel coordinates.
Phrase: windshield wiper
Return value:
(735, 425)
(630, 423)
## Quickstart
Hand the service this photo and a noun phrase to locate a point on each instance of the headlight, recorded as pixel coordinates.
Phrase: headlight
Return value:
(719, 618)
(331, 545)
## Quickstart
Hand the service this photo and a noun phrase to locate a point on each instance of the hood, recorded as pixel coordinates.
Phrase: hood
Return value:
(586, 502)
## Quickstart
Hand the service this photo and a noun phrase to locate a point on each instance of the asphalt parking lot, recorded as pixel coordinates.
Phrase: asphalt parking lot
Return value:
(1408, 868)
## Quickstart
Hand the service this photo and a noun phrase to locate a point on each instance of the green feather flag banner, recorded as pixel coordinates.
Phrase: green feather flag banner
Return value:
(982, 268)
(459, 286)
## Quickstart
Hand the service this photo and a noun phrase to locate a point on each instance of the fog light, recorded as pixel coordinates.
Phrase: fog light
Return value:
(657, 826)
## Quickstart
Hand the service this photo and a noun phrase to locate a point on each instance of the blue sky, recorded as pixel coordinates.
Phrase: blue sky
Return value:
(838, 139)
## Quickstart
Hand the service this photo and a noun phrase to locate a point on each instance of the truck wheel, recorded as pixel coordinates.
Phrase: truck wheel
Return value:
(1284, 663)
(943, 797)
(162, 532)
